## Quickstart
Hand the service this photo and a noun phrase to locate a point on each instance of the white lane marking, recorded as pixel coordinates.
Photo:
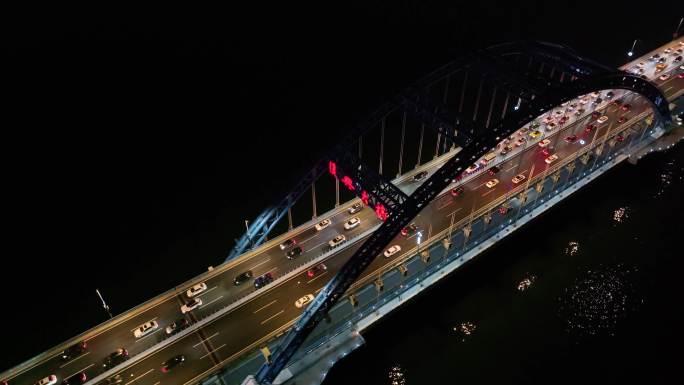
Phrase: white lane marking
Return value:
(272, 317)
(308, 239)
(260, 263)
(668, 88)
(139, 377)
(320, 244)
(488, 192)
(149, 335)
(315, 278)
(79, 371)
(212, 301)
(158, 382)
(203, 341)
(82, 355)
(143, 323)
(212, 351)
(265, 306)
(449, 201)
(454, 212)
(480, 185)
(316, 292)
(206, 291)
(511, 168)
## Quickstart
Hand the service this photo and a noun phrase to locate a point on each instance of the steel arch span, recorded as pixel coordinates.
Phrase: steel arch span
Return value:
(507, 67)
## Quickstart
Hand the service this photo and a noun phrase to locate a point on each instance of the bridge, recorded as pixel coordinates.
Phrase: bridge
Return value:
(500, 108)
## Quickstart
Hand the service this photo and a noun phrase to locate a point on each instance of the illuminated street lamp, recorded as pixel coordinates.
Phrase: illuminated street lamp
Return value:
(631, 51)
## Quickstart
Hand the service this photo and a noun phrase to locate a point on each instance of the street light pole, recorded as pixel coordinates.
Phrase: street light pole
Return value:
(676, 32)
(631, 51)
(104, 304)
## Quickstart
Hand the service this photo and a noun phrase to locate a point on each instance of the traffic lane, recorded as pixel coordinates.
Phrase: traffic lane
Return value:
(148, 371)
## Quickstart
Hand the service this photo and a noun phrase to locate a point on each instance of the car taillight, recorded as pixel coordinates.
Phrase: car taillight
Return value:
(164, 369)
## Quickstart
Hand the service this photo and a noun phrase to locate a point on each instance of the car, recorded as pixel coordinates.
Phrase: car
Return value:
(544, 143)
(191, 305)
(563, 119)
(294, 253)
(680, 75)
(74, 351)
(535, 134)
(353, 222)
(391, 251)
(117, 379)
(681, 67)
(300, 303)
(242, 278)
(420, 176)
(664, 77)
(518, 178)
(521, 141)
(551, 159)
(525, 129)
(546, 151)
(589, 127)
(616, 102)
(610, 94)
(641, 64)
(667, 50)
(316, 270)
(534, 125)
(336, 241)
(622, 119)
(491, 183)
(659, 67)
(457, 178)
(355, 208)
(579, 111)
(550, 126)
(472, 168)
(322, 224)
(679, 118)
(677, 59)
(602, 119)
(263, 280)
(571, 138)
(597, 101)
(118, 356)
(595, 115)
(457, 191)
(176, 326)
(145, 329)
(662, 60)
(595, 94)
(287, 244)
(625, 107)
(172, 363)
(584, 101)
(548, 119)
(409, 230)
(49, 380)
(195, 290)
(643, 77)
(77, 378)
(619, 137)
(493, 170)
(505, 150)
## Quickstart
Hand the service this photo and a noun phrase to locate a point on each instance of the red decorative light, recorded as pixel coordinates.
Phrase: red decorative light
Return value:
(364, 197)
(332, 167)
(381, 212)
(347, 182)
(503, 210)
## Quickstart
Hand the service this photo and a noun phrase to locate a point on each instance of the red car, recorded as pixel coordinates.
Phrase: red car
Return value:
(589, 128)
(619, 138)
(571, 138)
(625, 107)
(622, 119)
(454, 192)
(316, 270)
(546, 151)
(680, 76)
(409, 230)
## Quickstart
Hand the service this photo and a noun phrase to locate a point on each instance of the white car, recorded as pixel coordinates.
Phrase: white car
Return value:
(472, 169)
(492, 183)
(304, 300)
(337, 240)
(551, 159)
(641, 64)
(544, 143)
(350, 224)
(603, 119)
(520, 141)
(664, 77)
(355, 208)
(49, 380)
(392, 250)
(193, 291)
(518, 178)
(322, 224)
(584, 101)
(191, 305)
(595, 94)
(145, 329)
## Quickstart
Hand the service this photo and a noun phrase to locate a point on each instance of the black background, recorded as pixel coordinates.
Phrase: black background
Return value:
(137, 141)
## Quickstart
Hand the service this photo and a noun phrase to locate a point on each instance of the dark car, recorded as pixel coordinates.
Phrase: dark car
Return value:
(616, 102)
(420, 176)
(118, 356)
(242, 278)
(111, 380)
(287, 244)
(493, 170)
(409, 230)
(75, 379)
(678, 58)
(597, 101)
(294, 253)
(177, 326)
(316, 270)
(589, 127)
(263, 280)
(74, 351)
(595, 115)
(172, 363)
(457, 191)
(610, 94)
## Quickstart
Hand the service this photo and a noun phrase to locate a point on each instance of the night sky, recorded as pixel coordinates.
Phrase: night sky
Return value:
(137, 141)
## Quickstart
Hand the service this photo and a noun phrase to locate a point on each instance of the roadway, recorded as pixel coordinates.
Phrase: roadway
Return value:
(229, 336)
